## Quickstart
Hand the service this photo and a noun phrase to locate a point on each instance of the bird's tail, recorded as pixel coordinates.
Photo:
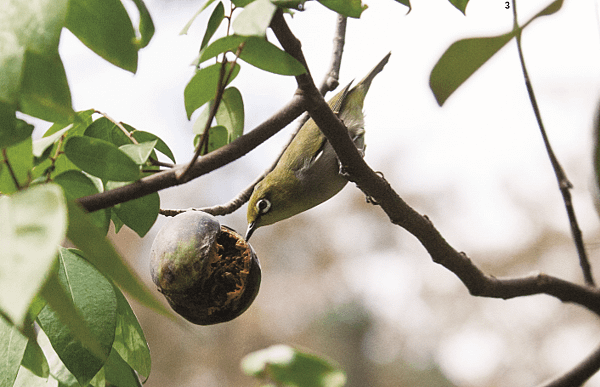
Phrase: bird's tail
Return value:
(365, 83)
(356, 96)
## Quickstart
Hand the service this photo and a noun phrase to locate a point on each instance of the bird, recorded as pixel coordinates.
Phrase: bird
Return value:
(309, 172)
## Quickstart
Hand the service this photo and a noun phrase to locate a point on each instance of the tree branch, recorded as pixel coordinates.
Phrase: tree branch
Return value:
(331, 80)
(401, 214)
(205, 164)
(564, 185)
(221, 156)
(329, 83)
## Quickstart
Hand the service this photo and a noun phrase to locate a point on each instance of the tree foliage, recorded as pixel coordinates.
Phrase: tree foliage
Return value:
(64, 317)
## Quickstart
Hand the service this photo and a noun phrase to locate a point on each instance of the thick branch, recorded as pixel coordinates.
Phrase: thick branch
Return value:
(420, 226)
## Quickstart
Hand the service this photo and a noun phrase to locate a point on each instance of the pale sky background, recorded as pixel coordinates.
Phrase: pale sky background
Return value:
(482, 151)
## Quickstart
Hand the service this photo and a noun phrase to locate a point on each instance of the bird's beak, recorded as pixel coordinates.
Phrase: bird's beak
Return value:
(250, 230)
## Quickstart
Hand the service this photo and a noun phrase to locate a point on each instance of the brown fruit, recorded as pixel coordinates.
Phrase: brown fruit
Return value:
(207, 272)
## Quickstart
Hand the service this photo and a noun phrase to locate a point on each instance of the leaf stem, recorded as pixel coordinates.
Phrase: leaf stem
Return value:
(120, 126)
(564, 184)
(10, 170)
(224, 77)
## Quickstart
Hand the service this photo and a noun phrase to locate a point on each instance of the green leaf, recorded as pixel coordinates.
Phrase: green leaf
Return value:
(105, 28)
(241, 3)
(200, 124)
(291, 367)
(101, 253)
(106, 130)
(291, 4)
(185, 29)
(254, 19)
(461, 5)
(44, 165)
(139, 153)
(213, 23)
(99, 379)
(95, 300)
(217, 137)
(81, 121)
(33, 224)
(350, 8)
(130, 341)
(256, 51)
(460, 61)
(119, 373)
(34, 26)
(67, 317)
(77, 184)
(35, 360)
(266, 56)
(58, 371)
(35, 307)
(44, 88)
(12, 130)
(118, 223)
(221, 45)
(553, 7)
(466, 56)
(161, 146)
(146, 27)
(139, 214)
(21, 161)
(12, 349)
(101, 158)
(405, 2)
(231, 113)
(203, 86)
(8, 125)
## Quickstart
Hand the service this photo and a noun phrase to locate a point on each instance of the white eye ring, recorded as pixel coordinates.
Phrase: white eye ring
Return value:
(263, 206)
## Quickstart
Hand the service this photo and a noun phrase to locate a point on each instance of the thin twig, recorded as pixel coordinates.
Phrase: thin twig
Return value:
(133, 140)
(224, 77)
(119, 125)
(54, 157)
(223, 209)
(329, 83)
(10, 169)
(331, 80)
(213, 111)
(564, 184)
(158, 163)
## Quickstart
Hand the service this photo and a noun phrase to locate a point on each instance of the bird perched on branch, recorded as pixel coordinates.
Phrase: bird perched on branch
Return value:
(308, 172)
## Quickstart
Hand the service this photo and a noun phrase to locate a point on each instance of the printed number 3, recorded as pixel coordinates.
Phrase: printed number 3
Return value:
(507, 5)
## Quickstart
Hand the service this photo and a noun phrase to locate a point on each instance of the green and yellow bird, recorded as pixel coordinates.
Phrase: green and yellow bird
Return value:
(308, 172)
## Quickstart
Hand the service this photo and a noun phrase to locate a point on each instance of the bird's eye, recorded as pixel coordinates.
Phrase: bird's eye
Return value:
(263, 206)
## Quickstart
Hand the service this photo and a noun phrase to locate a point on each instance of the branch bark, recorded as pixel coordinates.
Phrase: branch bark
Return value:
(401, 214)
(372, 184)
